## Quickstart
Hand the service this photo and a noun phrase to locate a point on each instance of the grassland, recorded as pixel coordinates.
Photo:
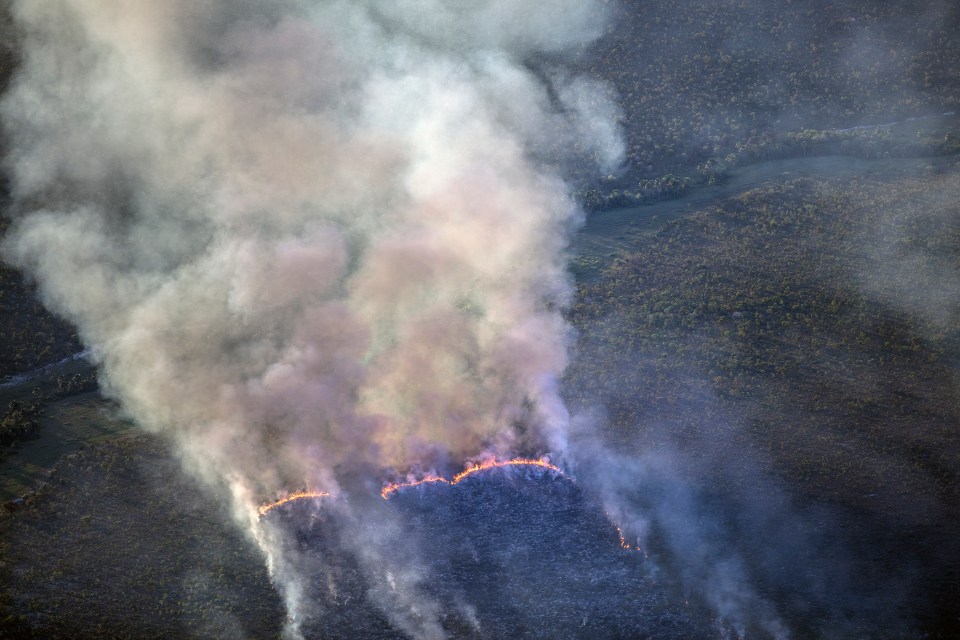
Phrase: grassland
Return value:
(65, 427)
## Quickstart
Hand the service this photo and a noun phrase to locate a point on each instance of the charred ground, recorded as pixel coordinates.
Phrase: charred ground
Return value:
(792, 348)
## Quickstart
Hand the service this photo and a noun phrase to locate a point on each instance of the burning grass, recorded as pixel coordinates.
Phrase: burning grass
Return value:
(299, 495)
(486, 465)
(542, 464)
(121, 544)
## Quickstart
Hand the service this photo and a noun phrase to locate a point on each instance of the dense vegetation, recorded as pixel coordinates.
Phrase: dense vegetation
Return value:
(121, 545)
(764, 334)
(697, 78)
(19, 422)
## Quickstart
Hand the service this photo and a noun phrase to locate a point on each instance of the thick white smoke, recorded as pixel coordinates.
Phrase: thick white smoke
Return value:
(299, 235)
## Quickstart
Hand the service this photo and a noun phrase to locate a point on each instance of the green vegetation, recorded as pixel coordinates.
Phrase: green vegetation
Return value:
(647, 191)
(77, 383)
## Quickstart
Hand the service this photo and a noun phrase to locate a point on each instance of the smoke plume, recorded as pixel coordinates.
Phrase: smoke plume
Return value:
(301, 237)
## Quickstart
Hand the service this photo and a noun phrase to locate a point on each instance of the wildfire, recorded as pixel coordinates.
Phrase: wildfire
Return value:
(623, 542)
(393, 487)
(543, 463)
(299, 495)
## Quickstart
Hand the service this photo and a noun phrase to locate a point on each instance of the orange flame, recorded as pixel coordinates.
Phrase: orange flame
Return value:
(623, 542)
(299, 495)
(483, 466)
(393, 487)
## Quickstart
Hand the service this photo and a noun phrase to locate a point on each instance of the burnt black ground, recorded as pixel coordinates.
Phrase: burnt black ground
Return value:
(507, 553)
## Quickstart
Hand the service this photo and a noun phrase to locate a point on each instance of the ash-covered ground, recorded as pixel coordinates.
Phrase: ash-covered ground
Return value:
(508, 553)
(108, 550)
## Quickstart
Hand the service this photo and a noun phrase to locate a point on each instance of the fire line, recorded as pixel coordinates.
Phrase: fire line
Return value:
(299, 495)
(469, 471)
(393, 487)
(623, 541)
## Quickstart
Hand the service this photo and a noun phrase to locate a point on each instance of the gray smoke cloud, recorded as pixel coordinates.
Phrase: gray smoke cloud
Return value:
(303, 235)
(650, 498)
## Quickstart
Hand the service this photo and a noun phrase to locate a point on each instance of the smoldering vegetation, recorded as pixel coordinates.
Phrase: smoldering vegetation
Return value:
(306, 246)
(505, 554)
(515, 553)
(289, 233)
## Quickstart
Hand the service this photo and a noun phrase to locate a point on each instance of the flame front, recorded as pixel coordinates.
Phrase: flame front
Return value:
(299, 495)
(543, 463)
(393, 487)
(623, 541)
